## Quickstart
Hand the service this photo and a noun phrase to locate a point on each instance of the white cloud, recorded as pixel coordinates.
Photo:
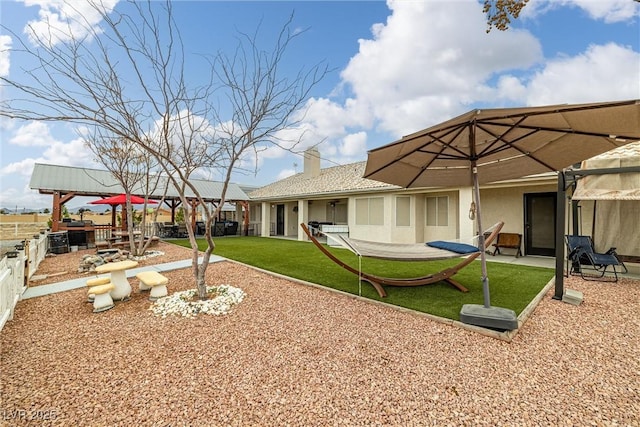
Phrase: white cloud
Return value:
(511, 88)
(432, 60)
(23, 167)
(38, 134)
(284, 173)
(73, 153)
(330, 119)
(609, 11)
(354, 145)
(602, 73)
(5, 59)
(5, 64)
(420, 68)
(33, 134)
(61, 20)
(18, 193)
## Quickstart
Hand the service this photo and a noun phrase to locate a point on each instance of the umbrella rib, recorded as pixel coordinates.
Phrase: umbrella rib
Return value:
(434, 138)
(519, 125)
(438, 154)
(565, 108)
(510, 144)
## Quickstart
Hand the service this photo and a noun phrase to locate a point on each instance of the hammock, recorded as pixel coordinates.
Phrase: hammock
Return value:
(405, 252)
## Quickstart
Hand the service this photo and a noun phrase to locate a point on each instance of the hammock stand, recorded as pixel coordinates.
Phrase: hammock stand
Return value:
(442, 276)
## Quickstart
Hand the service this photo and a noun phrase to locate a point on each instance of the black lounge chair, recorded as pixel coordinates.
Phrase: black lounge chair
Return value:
(589, 264)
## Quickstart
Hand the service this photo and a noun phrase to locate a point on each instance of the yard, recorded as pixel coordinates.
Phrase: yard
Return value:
(292, 354)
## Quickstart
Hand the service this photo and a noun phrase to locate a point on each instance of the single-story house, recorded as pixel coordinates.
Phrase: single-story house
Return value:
(375, 211)
(379, 212)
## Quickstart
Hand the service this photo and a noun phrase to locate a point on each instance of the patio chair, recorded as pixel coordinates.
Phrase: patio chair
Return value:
(589, 264)
(182, 230)
(171, 229)
(161, 230)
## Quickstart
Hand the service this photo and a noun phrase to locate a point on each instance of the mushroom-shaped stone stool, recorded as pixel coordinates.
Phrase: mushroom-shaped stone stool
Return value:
(102, 298)
(155, 281)
(97, 281)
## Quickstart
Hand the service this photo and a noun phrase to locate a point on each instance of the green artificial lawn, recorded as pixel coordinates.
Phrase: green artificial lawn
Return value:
(511, 286)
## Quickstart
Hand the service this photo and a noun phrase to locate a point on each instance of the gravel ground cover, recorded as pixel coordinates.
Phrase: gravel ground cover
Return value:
(296, 355)
(61, 267)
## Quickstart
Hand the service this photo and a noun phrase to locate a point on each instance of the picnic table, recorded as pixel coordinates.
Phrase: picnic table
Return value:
(118, 277)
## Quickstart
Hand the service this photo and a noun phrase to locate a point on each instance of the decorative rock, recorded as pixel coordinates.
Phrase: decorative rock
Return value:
(88, 263)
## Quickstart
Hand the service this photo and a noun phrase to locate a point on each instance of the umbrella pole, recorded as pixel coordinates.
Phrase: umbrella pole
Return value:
(483, 257)
(485, 315)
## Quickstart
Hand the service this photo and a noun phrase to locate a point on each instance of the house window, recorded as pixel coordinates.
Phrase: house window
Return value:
(370, 211)
(438, 211)
(403, 211)
(254, 213)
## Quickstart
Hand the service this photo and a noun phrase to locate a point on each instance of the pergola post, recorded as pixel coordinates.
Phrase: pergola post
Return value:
(56, 212)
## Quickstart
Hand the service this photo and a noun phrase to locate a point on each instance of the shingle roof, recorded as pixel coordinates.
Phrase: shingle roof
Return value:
(92, 182)
(337, 179)
(348, 179)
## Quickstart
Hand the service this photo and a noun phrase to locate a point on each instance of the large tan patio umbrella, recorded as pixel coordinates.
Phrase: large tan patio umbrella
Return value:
(498, 144)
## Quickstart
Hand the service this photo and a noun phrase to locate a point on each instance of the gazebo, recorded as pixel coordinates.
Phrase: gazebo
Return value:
(608, 196)
(66, 182)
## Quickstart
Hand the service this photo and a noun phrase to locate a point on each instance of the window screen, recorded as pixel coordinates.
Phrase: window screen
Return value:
(403, 211)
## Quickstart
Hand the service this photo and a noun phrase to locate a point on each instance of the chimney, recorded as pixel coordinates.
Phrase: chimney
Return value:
(311, 163)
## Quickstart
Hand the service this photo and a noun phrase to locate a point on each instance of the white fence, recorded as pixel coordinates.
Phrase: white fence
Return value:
(15, 272)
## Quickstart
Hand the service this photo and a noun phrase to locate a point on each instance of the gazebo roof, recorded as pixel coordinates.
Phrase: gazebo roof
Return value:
(48, 179)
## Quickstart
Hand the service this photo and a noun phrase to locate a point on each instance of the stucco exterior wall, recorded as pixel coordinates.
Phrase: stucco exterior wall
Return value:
(507, 204)
(417, 231)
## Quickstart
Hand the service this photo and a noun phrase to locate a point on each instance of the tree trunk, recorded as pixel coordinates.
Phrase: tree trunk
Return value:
(201, 270)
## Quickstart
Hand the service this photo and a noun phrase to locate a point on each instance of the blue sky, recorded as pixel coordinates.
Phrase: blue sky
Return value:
(400, 66)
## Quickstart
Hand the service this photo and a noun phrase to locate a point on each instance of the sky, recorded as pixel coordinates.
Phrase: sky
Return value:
(396, 67)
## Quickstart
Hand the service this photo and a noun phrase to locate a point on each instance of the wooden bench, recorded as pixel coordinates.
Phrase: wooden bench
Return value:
(509, 241)
(125, 243)
(102, 244)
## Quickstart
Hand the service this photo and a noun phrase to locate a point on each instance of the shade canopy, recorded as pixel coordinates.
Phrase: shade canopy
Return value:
(611, 186)
(505, 143)
(121, 199)
(498, 144)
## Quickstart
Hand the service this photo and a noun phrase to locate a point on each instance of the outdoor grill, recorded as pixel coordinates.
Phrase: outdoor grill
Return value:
(76, 237)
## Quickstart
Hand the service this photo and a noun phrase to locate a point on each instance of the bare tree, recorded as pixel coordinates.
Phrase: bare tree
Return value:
(262, 103)
(133, 168)
(125, 79)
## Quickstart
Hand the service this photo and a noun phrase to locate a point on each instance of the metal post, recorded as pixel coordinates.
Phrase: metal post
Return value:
(483, 258)
(560, 230)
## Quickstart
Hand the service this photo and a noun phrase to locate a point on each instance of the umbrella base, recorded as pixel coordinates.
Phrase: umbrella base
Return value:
(489, 317)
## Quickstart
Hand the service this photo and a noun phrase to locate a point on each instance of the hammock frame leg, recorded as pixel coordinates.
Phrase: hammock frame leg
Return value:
(377, 286)
(456, 285)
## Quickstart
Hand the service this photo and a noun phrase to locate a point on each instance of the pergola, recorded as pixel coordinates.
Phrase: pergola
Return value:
(65, 183)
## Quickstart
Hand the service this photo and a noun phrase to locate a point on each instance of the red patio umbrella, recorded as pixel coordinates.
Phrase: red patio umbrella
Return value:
(120, 199)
